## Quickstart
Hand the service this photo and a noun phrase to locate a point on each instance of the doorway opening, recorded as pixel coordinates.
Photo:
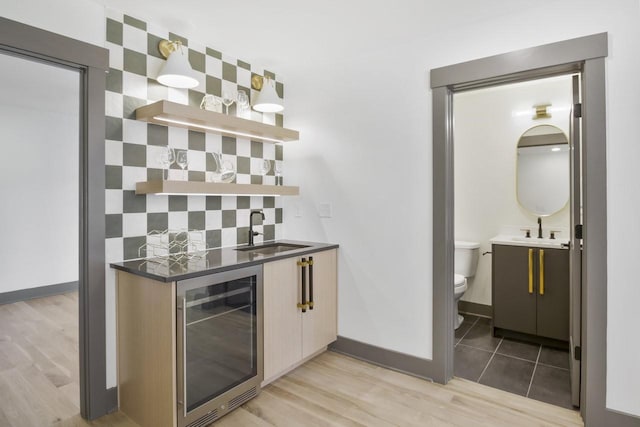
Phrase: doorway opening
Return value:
(512, 152)
(40, 116)
(90, 63)
(585, 55)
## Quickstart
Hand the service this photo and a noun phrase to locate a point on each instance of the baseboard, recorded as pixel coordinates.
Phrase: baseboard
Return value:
(475, 308)
(39, 292)
(112, 399)
(415, 366)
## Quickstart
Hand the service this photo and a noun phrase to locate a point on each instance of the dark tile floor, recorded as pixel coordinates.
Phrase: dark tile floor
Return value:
(529, 370)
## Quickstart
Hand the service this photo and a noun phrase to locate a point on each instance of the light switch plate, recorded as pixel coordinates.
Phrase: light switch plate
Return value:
(324, 210)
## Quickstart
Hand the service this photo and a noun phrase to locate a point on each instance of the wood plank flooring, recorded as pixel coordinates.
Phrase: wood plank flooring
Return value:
(330, 390)
(39, 361)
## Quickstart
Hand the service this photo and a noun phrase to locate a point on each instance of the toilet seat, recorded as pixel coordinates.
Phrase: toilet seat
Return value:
(459, 283)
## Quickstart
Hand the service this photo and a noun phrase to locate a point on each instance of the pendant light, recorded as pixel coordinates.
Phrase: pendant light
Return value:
(267, 100)
(176, 71)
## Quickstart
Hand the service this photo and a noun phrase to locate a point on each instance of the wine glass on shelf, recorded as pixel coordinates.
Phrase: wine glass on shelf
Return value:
(242, 101)
(278, 172)
(227, 100)
(182, 160)
(265, 167)
(167, 157)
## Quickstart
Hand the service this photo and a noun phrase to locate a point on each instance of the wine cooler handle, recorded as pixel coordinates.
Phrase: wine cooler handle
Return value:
(303, 304)
(310, 264)
(183, 324)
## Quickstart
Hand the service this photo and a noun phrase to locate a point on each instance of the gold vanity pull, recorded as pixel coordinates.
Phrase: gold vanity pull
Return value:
(530, 271)
(541, 271)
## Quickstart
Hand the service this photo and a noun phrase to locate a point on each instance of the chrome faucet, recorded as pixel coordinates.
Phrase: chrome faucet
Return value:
(251, 232)
(539, 227)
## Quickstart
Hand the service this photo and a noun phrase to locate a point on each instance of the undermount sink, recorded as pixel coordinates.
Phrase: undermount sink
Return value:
(271, 248)
(530, 241)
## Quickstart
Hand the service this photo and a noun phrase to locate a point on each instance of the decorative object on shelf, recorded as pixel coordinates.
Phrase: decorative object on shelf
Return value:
(176, 71)
(166, 159)
(267, 100)
(211, 103)
(224, 172)
(227, 99)
(265, 167)
(170, 246)
(182, 188)
(182, 160)
(242, 101)
(278, 172)
(167, 113)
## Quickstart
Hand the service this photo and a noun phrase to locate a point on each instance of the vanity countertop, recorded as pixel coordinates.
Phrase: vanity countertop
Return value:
(214, 261)
(504, 239)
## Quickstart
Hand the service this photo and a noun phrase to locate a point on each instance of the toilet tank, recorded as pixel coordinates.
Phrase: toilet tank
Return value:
(466, 258)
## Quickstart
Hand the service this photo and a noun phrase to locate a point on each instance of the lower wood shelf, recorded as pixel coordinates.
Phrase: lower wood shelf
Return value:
(184, 188)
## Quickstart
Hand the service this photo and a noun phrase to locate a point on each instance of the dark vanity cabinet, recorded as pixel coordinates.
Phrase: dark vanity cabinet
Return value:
(530, 291)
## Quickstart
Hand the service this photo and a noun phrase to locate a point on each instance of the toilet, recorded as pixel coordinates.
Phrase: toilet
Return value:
(465, 265)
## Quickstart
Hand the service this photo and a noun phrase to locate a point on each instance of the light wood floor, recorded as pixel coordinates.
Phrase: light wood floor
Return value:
(39, 361)
(332, 389)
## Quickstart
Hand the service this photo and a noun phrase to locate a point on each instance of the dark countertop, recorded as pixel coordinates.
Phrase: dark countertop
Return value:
(214, 261)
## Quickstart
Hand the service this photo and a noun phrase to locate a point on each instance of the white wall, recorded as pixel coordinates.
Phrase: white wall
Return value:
(488, 125)
(365, 123)
(365, 119)
(39, 137)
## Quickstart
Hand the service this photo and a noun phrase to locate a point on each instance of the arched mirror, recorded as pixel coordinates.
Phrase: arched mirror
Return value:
(543, 170)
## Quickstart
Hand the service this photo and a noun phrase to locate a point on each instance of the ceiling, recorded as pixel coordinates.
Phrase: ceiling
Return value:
(282, 34)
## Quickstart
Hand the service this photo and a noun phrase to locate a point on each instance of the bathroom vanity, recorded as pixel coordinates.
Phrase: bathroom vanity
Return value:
(530, 288)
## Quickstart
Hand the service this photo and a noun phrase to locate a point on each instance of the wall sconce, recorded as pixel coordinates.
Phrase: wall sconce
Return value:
(541, 112)
(176, 71)
(267, 100)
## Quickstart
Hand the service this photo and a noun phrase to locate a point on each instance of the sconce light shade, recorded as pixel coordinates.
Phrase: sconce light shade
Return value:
(267, 100)
(176, 71)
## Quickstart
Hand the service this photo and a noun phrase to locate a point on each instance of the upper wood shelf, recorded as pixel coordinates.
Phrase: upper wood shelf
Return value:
(167, 113)
(214, 188)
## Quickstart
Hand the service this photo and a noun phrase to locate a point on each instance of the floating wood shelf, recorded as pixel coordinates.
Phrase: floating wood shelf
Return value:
(167, 113)
(214, 188)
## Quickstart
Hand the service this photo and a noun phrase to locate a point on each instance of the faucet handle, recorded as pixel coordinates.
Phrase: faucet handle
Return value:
(528, 232)
(552, 233)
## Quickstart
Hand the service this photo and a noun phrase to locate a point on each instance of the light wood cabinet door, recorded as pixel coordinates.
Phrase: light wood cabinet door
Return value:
(282, 322)
(320, 326)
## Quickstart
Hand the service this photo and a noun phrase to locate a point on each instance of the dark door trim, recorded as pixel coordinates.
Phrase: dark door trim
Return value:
(584, 54)
(92, 62)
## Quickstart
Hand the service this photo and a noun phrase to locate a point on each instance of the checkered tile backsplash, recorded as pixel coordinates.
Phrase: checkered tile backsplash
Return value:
(133, 148)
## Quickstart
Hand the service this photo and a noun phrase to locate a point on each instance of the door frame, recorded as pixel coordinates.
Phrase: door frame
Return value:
(92, 62)
(587, 56)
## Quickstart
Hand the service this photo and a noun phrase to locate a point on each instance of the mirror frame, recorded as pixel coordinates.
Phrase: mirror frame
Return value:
(527, 210)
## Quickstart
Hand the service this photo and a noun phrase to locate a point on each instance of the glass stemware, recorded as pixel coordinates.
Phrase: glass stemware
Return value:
(182, 160)
(166, 159)
(265, 167)
(242, 100)
(278, 172)
(227, 100)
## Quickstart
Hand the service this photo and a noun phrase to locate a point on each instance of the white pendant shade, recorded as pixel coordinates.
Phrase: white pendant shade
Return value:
(177, 72)
(267, 100)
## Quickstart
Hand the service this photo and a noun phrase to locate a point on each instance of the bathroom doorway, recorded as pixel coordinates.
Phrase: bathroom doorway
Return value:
(512, 176)
(586, 55)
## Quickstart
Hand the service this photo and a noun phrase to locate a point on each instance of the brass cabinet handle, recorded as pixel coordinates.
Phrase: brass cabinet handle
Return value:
(530, 271)
(310, 264)
(541, 271)
(303, 305)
